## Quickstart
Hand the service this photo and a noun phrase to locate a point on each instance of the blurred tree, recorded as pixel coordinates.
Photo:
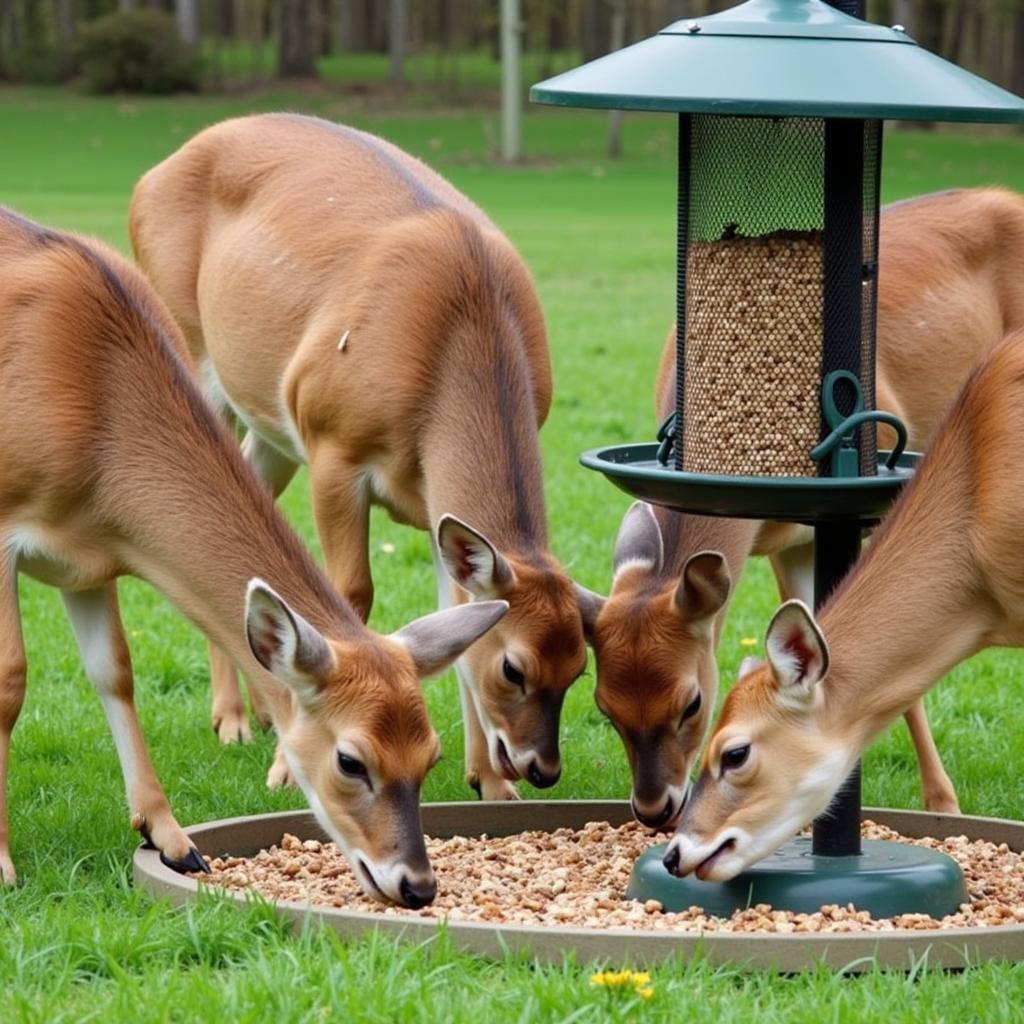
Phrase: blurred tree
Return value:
(595, 30)
(187, 14)
(396, 41)
(296, 54)
(64, 18)
(8, 38)
(928, 23)
(1017, 76)
(618, 40)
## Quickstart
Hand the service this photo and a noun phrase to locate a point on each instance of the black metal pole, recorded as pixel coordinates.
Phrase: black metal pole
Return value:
(837, 545)
(837, 833)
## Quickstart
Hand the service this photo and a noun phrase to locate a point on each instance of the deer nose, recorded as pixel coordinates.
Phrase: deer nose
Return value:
(542, 780)
(671, 859)
(417, 894)
(655, 820)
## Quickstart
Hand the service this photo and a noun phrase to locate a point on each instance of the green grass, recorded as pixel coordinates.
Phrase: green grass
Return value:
(78, 943)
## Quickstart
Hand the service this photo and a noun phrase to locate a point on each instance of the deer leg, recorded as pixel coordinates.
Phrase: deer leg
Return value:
(12, 694)
(96, 622)
(341, 506)
(480, 776)
(229, 718)
(936, 786)
(794, 573)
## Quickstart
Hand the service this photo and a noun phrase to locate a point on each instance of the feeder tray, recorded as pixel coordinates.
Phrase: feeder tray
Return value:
(635, 469)
(850, 952)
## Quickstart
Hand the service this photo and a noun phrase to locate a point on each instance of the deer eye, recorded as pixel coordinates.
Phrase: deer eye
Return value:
(692, 708)
(351, 766)
(735, 757)
(512, 674)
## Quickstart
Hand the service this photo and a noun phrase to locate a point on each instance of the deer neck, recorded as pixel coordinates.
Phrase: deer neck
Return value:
(481, 453)
(189, 516)
(913, 607)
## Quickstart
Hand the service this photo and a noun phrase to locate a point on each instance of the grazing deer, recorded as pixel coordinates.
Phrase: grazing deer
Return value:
(113, 464)
(951, 286)
(356, 312)
(944, 573)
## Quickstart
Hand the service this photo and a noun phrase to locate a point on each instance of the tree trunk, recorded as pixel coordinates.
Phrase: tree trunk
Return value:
(187, 14)
(511, 87)
(296, 54)
(64, 16)
(595, 37)
(228, 23)
(905, 15)
(1017, 73)
(677, 10)
(930, 23)
(396, 41)
(324, 27)
(8, 38)
(618, 41)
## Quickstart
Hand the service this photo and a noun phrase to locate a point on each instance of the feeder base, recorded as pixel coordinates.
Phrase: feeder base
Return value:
(886, 879)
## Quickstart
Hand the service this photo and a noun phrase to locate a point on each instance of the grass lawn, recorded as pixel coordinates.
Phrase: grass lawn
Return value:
(78, 943)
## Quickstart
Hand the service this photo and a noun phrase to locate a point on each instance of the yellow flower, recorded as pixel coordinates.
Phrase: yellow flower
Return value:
(748, 641)
(619, 979)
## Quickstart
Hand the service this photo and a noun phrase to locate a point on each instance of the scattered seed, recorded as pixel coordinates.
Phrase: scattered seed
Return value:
(539, 878)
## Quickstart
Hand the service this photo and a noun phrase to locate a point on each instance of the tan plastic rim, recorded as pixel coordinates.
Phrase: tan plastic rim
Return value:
(903, 950)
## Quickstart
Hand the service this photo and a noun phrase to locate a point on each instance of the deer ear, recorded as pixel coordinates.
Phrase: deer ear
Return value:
(436, 640)
(284, 643)
(797, 652)
(471, 559)
(704, 587)
(590, 605)
(638, 542)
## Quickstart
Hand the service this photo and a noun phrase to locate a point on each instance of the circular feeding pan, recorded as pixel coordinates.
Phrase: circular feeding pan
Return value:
(954, 947)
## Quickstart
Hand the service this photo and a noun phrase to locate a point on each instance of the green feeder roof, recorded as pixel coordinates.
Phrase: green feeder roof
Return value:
(799, 58)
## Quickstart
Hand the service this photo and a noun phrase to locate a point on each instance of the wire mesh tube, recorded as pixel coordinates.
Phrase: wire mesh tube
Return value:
(777, 276)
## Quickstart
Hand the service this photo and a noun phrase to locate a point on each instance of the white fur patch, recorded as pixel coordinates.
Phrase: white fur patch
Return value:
(119, 720)
(89, 614)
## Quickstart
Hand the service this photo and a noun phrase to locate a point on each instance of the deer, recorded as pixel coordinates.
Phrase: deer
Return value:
(950, 287)
(944, 572)
(113, 464)
(355, 312)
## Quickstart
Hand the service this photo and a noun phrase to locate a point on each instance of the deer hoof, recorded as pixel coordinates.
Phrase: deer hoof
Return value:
(192, 861)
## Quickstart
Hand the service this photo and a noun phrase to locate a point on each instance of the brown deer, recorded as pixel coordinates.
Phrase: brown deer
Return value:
(356, 312)
(945, 573)
(951, 285)
(113, 464)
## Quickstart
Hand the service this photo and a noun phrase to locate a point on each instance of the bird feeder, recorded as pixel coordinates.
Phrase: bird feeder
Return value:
(780, 107)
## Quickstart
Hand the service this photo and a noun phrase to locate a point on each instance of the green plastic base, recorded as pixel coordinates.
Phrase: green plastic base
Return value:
(887, 879)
